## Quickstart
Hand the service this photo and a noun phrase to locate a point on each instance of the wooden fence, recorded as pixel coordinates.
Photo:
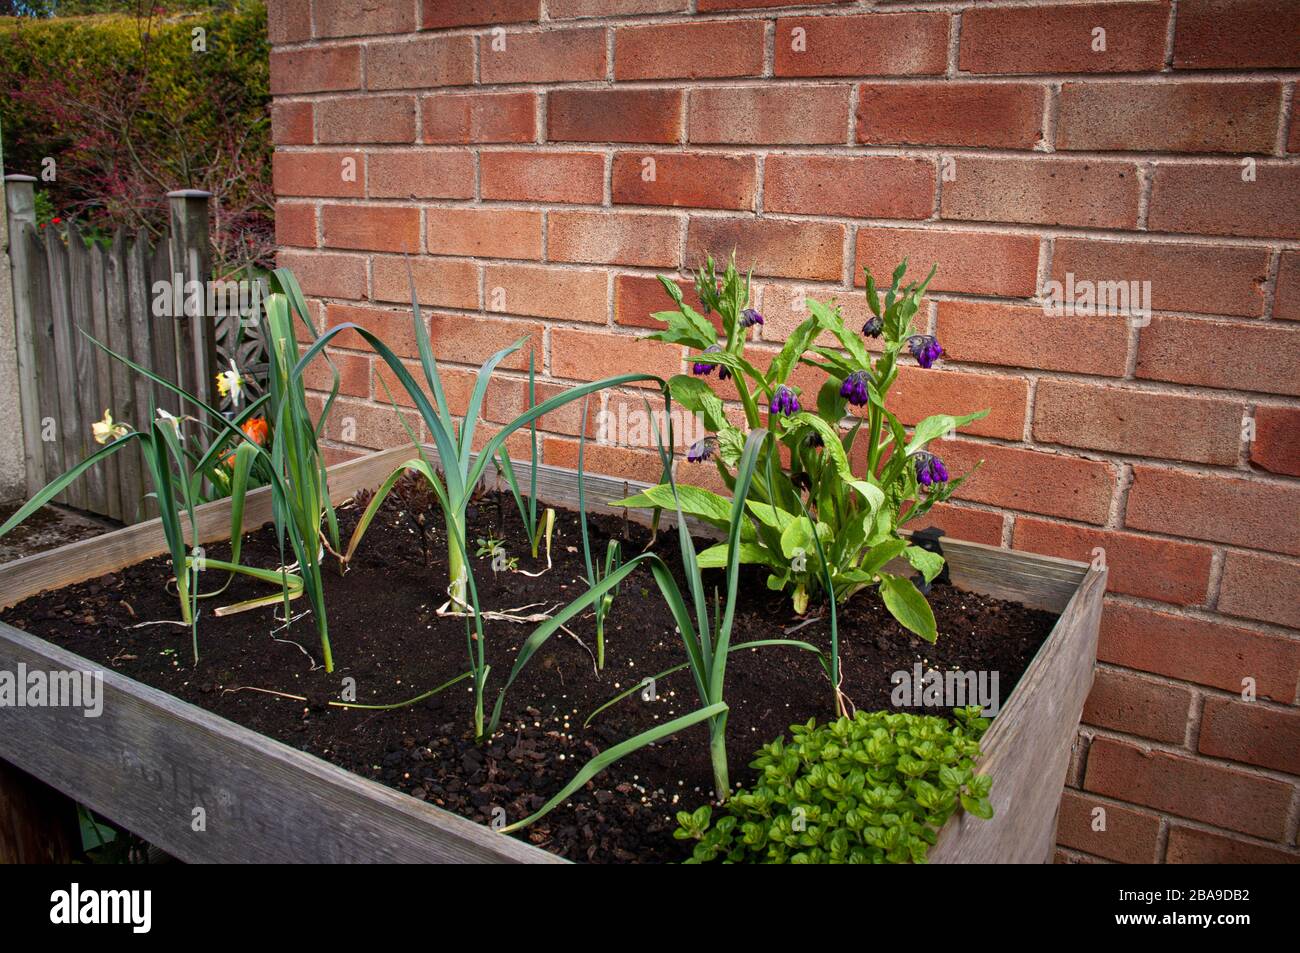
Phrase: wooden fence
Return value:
(64, 286)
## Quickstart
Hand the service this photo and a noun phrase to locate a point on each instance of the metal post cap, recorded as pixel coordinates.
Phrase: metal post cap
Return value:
(189, 194)
(20, 178)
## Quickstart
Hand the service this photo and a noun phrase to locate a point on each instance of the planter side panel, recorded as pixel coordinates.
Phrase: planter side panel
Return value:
(148, 760)
(1027, 749)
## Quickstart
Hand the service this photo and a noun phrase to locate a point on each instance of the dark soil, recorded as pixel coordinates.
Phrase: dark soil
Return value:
(387, 635)
(48, 527)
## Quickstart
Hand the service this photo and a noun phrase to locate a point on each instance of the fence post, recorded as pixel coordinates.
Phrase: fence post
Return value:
(20, 197)
(191, 258)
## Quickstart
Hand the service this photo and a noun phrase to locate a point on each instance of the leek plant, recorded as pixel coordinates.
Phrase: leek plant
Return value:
(613, 552)
(461, 468)
(707, 643)
(536, 530)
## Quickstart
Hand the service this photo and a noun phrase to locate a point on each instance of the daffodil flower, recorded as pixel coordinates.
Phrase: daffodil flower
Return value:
(174, 421)
(232, 383)
(106, 431)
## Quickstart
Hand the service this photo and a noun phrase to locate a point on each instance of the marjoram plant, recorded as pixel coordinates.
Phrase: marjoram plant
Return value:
(856, 517)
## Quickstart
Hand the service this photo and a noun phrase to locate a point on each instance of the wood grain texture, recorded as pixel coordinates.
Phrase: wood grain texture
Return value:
(38, 825)
(150, 756)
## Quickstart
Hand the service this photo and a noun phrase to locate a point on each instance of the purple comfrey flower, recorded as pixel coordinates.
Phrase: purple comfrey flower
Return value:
(702, 450)
(704, 369)
(855, 388)
(749, 317)
(930, 469)
(873, 327)
(784, 401)
(925, 348)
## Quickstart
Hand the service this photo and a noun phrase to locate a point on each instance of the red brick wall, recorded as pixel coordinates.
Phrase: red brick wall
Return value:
(515, 179)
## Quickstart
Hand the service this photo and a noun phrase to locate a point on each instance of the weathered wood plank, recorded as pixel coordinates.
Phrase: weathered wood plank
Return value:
(85, 385)
(65, 365)
(103, 374)
(38, 825)
(138, 313)
(20, 193)
(149, 760)
(45, 406)
(130, 465)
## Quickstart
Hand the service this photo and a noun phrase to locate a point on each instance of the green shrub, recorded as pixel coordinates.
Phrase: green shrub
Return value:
(128, 108)
(869, 789)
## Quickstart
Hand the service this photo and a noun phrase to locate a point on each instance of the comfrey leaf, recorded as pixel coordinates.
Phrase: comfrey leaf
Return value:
(696, 395)
(686, 326)
(906, 604)
(928, 564)
(933, 427)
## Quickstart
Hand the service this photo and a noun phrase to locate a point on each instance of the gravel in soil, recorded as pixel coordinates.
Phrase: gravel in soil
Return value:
(388, 637)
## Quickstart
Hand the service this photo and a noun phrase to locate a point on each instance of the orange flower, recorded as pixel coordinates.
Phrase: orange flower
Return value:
(255, 429)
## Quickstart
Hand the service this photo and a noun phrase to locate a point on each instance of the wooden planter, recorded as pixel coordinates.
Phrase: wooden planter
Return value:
(150, 759)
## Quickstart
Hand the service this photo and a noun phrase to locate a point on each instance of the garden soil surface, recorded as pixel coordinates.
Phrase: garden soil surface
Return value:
(387, 635)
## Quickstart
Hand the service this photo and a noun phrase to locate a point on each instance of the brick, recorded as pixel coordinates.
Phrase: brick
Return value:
(1023, 336)
(569, 9)
(465, 339)
(614, 115)
(684, 180)
(622, 462)
(366, 119)
(1258, 357)
(1162, 569)
(1256, 586)
(336, 18)
(878, 44)
(722, 48)
(576, 177)
(394, 328)
(1130, 836)
(1138, 706)
(315, 70)
(569, 293)
(420, 62)
(637, 297)
(1286, 301)
(1212, 199)
(1046, 483)
(571, 355)
(1190, 845)
(1059, 38)
(1252, 734)
(377, 428)
(769, 115)
(484, 233)
(614, 238)
(710, 5)
(554, 56)
(449, 284)
(295, 224)
(1207, 279)
(1206, 652)
(969, 262)
(1276, 445)
(1003, 115)
(1125, 420)
(787, 249)
(479, 117)
(420, 174)
(1189, 788)
(325, 275)
(1169, 117)
(371, 227)
(291, 124)
(1043, 191)
(962, 522)
(853, 187)
(1236, 34)
(441, 14)
(920, 393)
(326, 174)
(784, 308)
(289, 21)
(353, 373)
(1212, 506)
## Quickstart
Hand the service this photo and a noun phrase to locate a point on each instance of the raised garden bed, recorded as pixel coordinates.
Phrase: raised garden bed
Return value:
(151, 758)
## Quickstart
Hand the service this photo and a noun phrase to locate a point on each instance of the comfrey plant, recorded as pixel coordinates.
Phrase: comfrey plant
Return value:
(874, 788)
(855, 518)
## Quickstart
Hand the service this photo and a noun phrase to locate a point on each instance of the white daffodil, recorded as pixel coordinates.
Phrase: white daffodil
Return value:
(106, 431)
(174, 421)
(231, 382)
